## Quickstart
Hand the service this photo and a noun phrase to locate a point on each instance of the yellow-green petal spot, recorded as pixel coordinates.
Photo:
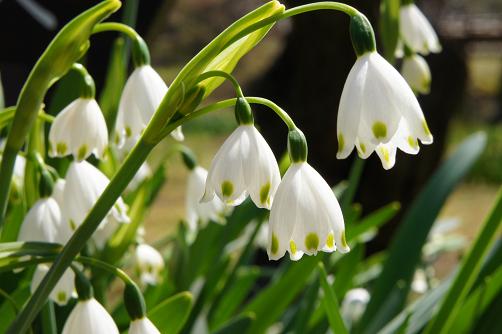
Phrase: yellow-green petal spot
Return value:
(61, 148)
(343, 240)
(275, 244)
(426, 128)
(312, 241)
(341, 142)
(61, 296)
(73, 226)
(292, 247)
(412, 142)
(385, 153)
(264, 192)
(362, 147)
(330, 240)
(82, 152)
(128, 131)
(379, 130)
(227, 188)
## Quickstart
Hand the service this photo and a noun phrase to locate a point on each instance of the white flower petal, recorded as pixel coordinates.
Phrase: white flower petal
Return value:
(387, 154)
(79, 129)
(261, 172)
(143, 326)
(64, 289)
(416, 31)
(42, 222)
(149, 263)
(349, 111)
(89, 316)
(417, 73)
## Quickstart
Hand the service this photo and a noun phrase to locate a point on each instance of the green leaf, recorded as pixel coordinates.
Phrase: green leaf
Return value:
(234, 296)
(405, 249)
(271, 302)
(469, 270)
(389, 27)
(114, 83)
(477, 303)
(415, 316)
(331, 303)
(20, 295)
(170, 315)
(238, 325)
(346, 269)
(372, 221)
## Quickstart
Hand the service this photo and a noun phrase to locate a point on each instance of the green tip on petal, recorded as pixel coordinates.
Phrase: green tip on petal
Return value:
(292, 247)
(312, 241)
(227, 188)
(330, 240)
(426, 128)
(275, 244)
(412, 142)
(264, 192)
(341, 143)
(82, 152)
(379, 130)
(61, 148)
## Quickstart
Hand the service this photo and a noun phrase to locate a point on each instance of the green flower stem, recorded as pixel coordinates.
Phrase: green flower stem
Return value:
(48, 318)
(112, 192)
(141, 54)
(327, 5)
(230, 103)
(89, 88)
(469, 270)
(228, 76)
(105, 266)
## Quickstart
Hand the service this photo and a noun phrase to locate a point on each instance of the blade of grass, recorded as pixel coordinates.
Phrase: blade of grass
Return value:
(331, 303)
(471, 266)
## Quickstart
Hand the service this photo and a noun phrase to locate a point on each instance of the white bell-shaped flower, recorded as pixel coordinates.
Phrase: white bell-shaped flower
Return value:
(378, 111)
(79, 129)
(143, 326)
(416, 31)
(244, 164)
(142, 94)
(149, 264)
(43, 222)
(417, 73)
(64, 289)
(353, 305)
(84, 184)
(89, 316)
(195, 210)
(305, 216)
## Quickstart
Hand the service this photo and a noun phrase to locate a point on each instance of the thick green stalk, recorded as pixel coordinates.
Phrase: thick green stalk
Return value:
(112, 192)
(469, 270)
(49, 318)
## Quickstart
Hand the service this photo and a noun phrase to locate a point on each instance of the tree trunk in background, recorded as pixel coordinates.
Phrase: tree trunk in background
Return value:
(307, 81)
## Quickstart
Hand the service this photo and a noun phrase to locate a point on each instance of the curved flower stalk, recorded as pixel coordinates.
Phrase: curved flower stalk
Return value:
(149, 264)
(84, 185)
(417, 73)
(305, 217)
(416, 31)
(79, 129)
(143, 92)
(244, 164)
(143, 326)
(378, 110)
(64, 289)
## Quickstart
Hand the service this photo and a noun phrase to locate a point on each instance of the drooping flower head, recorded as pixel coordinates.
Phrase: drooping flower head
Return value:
(417, 73)
(79, 129)
(378, 110)
(149, 264)
(142, 94)
(64, 289)
(243, 165)
(305, 217)
(84, 184)
(415, 30)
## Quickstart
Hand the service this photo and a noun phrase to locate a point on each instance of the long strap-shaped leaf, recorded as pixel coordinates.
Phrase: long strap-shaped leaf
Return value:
(471, 266)
(405, 250)
(331, 304)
